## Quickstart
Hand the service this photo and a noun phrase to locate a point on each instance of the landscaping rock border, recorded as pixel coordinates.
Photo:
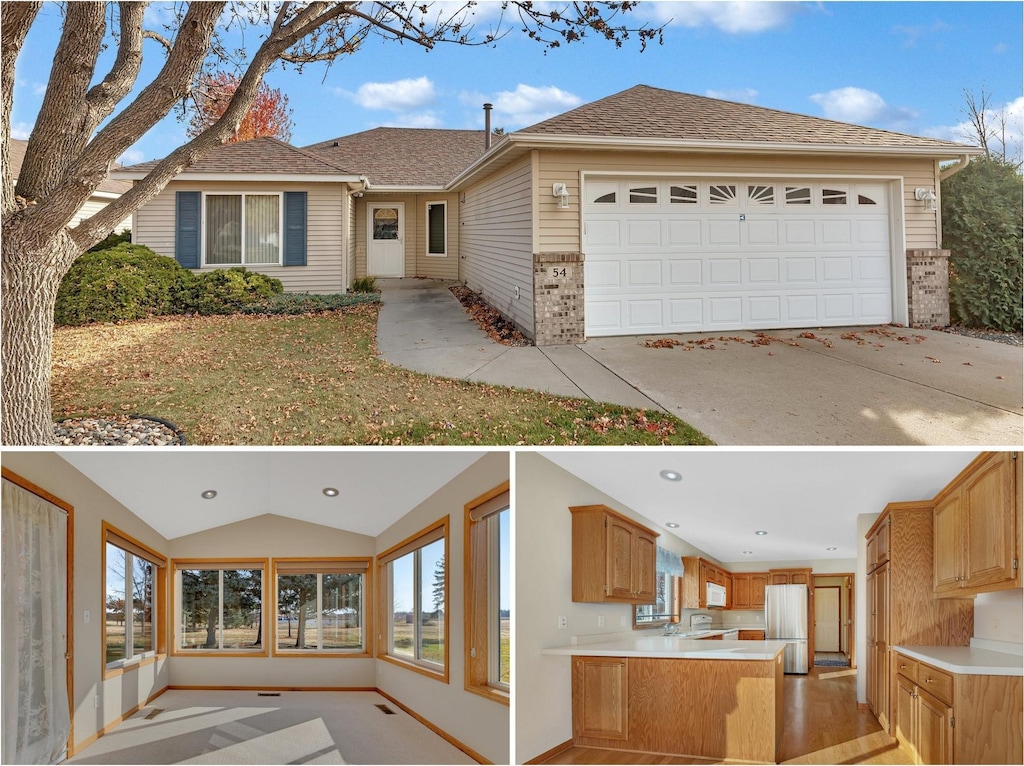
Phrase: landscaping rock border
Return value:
(119, 430)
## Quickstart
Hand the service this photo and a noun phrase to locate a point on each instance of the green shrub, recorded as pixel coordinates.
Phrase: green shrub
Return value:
(365, 285)
(307, 303)
(982, 209)
(227, 291)
(123, 283)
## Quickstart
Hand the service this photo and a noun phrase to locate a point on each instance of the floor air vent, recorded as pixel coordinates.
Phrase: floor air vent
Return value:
(268, 694)
(154, 713)
(385, 709)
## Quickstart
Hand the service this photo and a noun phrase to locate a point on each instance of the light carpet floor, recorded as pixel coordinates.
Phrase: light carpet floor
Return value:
(229, 727)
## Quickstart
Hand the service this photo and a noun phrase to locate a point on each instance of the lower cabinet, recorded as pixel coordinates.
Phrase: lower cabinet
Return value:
(941, 717)
(600, 698)
(751, 635)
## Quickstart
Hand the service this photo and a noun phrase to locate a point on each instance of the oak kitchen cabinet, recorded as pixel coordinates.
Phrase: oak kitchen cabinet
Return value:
(901, 606)
(789, 576)
(613, 557)
(977, 528)
(748, 590)
(697, 573)
(944, 717)
(751, 635)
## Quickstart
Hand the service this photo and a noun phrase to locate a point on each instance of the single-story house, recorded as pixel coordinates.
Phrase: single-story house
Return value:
(108, 190)
(649, 211)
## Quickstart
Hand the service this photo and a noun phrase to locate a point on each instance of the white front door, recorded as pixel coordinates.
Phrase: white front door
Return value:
(668, 255)
(385, 237)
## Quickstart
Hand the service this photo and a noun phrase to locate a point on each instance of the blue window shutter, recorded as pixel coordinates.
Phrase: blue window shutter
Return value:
(295, 228)
(186, 228)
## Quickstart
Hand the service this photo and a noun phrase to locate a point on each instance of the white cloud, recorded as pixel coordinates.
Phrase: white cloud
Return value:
(428, 119)
(131, 157)
(528, 104)
(742, 17)
(913, 34)
(861, 106)
(398, 96)
(743, 95)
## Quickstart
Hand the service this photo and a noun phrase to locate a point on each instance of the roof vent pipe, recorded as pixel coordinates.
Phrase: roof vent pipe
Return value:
(487, 126)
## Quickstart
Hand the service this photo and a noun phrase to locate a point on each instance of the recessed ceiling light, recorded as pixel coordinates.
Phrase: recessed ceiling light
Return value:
(331, 492)
(833, 548)
(671, 475)
(760, 533)
(209, 494)
(748, 553)
(671, 525)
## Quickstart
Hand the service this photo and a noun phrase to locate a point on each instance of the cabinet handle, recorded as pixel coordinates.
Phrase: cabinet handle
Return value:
(928, 680)
(903, 667)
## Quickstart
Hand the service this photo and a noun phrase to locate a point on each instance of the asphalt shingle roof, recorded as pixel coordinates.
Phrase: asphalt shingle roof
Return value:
(260, 155)
(404, 156)
(646, 112)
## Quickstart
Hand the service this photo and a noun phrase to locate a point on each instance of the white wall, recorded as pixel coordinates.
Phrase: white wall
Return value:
(479, 723)
(1000, 616)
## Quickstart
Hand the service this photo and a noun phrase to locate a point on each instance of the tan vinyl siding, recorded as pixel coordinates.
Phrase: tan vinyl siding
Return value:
(417, 262)
(560, 229)
(496, 238)
(91, 208)
(324, 231)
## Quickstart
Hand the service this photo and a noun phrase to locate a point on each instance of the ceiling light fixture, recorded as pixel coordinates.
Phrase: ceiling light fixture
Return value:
(331, 492)
(209, 494)
(671, 475)
(760, 533)
(671, 525)
(748, 553)
(833, 548)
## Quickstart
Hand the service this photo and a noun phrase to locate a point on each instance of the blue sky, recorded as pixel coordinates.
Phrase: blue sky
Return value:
(900, 66)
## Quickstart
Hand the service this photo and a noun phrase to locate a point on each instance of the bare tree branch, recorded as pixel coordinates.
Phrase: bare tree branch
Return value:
(107, 94)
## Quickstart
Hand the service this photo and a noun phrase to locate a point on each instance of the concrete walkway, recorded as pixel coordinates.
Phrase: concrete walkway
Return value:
(423, 327)
(849, 386)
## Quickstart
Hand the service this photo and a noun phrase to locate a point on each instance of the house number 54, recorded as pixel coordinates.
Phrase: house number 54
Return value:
(558, 272)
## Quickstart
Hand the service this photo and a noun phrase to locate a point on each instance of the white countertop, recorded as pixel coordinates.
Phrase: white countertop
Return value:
(967, 660)
(674, 647)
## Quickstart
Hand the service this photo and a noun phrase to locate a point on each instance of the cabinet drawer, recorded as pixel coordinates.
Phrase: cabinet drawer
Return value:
(936, 682)
(751, 635)
(906, 667)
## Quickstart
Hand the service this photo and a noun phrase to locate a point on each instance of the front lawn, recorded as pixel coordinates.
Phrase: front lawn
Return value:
(314, 379)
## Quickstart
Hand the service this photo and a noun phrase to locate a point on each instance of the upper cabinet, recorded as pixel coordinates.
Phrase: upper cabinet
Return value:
(977, 528)
(789, 576)
(697, 573)
(748, 590)
(613, 557)
(878, 544)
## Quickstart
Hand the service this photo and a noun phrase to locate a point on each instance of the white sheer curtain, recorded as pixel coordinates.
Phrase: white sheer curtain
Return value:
(36, 719)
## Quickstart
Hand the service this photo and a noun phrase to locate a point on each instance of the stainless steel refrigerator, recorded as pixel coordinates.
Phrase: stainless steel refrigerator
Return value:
(785, 619)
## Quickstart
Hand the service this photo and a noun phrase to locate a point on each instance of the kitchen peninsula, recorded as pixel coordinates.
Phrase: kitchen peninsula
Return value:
(680, 696)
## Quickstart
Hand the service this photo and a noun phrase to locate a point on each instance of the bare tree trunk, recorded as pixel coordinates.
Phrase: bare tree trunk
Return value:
(31, 275)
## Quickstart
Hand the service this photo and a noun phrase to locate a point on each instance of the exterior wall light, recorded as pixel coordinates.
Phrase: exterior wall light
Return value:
(559, 190)
(928, 197)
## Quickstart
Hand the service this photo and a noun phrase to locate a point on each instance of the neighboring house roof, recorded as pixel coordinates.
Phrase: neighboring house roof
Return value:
(405, 156)
(108, 185)
(656, 113)
(264, 156)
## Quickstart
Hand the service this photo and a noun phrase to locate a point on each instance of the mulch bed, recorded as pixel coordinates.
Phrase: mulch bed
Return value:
(497, 327)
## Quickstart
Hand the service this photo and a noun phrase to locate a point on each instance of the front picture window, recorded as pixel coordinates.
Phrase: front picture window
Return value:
(243, 229)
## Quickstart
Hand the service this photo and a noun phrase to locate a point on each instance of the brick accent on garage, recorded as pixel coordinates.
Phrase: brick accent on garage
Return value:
(558, 298)
(928, 287)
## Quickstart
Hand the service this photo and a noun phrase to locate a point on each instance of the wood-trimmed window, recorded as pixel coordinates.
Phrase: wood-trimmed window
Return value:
(320, 607)
(488, 613)
(134, 595)
(437, 229)
(414, 602)
(219, 607)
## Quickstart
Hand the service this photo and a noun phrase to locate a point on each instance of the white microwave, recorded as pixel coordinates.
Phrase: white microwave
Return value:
(716, 595)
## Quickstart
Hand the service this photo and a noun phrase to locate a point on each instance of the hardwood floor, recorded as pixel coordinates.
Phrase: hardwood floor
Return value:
(823, 726)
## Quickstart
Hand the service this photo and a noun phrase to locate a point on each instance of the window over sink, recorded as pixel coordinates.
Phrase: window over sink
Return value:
(669, 570)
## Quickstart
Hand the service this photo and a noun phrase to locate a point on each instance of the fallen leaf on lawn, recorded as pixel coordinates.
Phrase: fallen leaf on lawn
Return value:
(1000, 377)
(934, 360)
(968, 364)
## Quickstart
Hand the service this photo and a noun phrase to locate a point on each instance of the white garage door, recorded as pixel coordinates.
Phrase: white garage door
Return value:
(683, 255)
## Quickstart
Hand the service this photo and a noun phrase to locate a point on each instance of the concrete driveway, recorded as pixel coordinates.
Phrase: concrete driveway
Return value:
(870, 388)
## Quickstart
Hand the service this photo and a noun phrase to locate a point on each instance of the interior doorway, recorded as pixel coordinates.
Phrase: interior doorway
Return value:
(834, 620)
